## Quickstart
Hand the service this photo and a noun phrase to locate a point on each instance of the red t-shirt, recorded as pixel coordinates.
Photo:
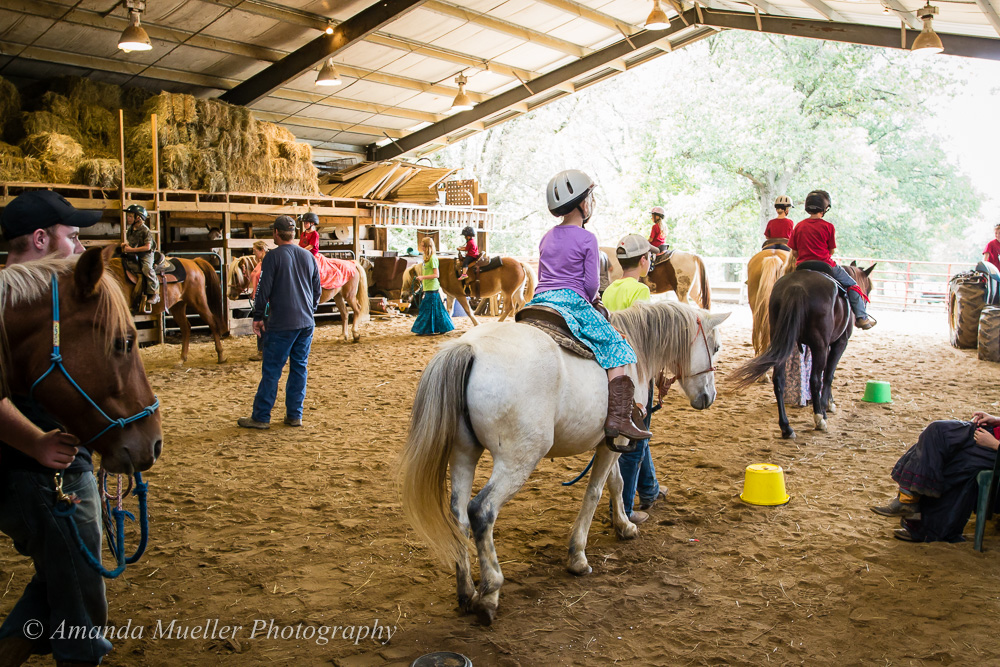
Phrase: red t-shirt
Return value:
(993, 253)
(310, 238)
(779, 228)
(814, 239)
(656, 236)
(470, 248)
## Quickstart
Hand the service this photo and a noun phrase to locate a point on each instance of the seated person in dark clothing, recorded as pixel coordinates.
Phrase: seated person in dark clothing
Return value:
(937, 478)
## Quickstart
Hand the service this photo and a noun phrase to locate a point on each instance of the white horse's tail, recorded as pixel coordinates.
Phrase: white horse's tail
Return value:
(435, 422)
(363, 314)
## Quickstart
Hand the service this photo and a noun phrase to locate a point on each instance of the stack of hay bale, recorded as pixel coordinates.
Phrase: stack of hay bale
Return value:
(68, 133)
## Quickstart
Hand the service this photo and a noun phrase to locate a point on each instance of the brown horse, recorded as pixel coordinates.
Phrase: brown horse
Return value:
(514, 279)
(763, 271)
(200, 289)
(353, 293)
(683, 274)
(806, 308)
(95, 339)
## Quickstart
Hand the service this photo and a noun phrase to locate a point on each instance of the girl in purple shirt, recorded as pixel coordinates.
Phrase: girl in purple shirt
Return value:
(568, 268)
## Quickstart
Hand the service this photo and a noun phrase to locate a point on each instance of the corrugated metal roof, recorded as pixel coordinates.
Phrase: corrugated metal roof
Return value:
(400, 78)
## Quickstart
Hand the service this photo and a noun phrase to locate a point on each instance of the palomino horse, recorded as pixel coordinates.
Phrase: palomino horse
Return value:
(200, 289)
(683, 273)
(806, 308)
(354, 291)
(69, 352)
(514, 279)
(763, 271)
(509, 389)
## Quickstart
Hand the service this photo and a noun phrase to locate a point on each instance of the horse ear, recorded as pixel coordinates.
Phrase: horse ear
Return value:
(854, 262)
(89, 269)
(868, 271)
(717, 319)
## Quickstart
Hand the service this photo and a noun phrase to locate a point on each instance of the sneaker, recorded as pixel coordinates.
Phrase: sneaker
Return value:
(289, 421)
(153, 299)
(662, 495)
(898, 508)
(638, 517)
(250, 422)
(865, 323)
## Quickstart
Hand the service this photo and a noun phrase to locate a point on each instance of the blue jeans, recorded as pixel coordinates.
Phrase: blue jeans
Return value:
(637, 468)
(65, 594)
(281, 346)
(853, 298)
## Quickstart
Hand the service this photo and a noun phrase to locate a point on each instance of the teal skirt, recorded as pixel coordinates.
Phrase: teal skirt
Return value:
(433, 317)
(589, 326)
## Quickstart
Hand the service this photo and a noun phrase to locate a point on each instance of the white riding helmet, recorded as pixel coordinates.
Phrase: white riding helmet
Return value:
(783, 200)
(567, 190)
(658, 210)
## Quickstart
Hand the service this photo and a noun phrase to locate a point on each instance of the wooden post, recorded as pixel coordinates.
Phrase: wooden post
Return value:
(121, 172)
(355, 237)
(156, 173)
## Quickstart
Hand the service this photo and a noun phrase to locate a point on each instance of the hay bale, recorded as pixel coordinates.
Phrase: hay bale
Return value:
(99, 129)
(58, 104)
(8, 149)
(10, 105)
(99, 173)
(47, 122)
(20, 169)
(60, 154)
(87, 92)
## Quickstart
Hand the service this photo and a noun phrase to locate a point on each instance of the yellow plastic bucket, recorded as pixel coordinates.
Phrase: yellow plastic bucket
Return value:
(764, 484)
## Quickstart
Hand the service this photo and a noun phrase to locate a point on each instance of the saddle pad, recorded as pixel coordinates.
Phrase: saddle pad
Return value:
(551, 322)
(494, 262)
(663, 257)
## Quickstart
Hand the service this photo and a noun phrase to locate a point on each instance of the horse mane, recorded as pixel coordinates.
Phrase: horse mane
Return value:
(238, 264)
(23, 284)
(660, 333)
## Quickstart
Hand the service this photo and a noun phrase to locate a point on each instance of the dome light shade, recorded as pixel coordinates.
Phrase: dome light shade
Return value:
(134, 37)
(328, 74)
(462, 101)
(927, 42)
(657, 19)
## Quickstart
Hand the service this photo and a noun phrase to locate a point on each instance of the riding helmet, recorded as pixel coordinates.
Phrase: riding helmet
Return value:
(783, 201)
(138, 210)
(468, 232)
(567, 190)
(309, 217)
(658, 210)
(818, 201)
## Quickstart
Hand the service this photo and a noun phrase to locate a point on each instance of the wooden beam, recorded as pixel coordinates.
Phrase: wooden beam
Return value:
(334, 126)
(989, 7)
(826, 11)
(910, 18)
(507, 28)
(306, 57)
(592, 15)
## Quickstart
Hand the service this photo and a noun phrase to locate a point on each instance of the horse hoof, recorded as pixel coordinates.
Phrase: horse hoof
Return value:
(821, 425)
(485, 615)
(465, 604)
(789, 436)
(357, 339)
(579, 567)
(832, 408)
(630, 531)
(223, 359)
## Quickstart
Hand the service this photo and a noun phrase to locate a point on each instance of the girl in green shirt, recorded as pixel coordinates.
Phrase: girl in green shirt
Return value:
(433, 317)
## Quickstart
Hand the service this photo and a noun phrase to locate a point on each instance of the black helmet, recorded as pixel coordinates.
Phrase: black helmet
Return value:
(468, 231)
(138, 210)
(309, 217)
(818, 201)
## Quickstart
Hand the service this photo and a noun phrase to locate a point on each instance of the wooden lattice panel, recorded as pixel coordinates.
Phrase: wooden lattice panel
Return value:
(461, 193)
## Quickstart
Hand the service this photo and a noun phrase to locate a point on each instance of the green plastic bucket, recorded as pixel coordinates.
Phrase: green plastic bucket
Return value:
(877, 392)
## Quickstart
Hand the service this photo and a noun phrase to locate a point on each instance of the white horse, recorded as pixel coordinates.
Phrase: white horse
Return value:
(510, 389)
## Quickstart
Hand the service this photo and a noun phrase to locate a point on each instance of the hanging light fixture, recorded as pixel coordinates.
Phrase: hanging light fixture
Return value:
(134, 37)
(927, 42)
(657, 19)
(328, 74)
(462, 101)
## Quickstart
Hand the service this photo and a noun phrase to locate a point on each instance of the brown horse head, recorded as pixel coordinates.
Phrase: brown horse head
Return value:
(97, 349)
(861, 276)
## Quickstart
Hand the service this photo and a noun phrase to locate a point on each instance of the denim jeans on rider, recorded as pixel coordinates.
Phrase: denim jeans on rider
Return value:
(637, 468)
(281, 346)
(66, 597)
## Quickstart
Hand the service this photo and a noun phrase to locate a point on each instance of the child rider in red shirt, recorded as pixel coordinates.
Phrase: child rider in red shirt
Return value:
(471, 250)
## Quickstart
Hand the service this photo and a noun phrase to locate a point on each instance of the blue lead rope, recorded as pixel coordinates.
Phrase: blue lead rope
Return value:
(116, 537)
(585, 471)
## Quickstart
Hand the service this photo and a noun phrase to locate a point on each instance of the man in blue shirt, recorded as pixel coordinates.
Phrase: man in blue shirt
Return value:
(288, 292)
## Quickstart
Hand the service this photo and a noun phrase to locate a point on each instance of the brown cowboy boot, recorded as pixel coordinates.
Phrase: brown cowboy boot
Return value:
(621, 393)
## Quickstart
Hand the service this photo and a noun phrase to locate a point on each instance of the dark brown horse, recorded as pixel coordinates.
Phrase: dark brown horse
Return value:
(200, 289)
(806, 308)
(94, 341)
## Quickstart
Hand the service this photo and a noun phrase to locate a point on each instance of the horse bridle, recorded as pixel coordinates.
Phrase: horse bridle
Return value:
(57, 364)
(663, 383)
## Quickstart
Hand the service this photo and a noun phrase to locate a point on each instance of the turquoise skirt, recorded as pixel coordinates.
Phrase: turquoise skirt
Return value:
(587, 324)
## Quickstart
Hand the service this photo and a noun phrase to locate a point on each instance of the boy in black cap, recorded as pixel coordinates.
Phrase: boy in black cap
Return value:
(41, 223)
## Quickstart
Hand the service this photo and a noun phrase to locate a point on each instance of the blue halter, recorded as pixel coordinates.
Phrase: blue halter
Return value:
(57, 364)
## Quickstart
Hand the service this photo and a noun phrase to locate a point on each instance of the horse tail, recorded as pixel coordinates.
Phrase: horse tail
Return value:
(785, 333)
(706, 291)
(435, 423)
(530, 282)
(771, 268)
(364, 307)
(213, 294)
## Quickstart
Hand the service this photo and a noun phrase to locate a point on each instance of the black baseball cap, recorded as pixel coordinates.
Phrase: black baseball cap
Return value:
(284, 223)
(40, 209)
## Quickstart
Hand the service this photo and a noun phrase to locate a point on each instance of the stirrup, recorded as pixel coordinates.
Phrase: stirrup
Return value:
(621, 449)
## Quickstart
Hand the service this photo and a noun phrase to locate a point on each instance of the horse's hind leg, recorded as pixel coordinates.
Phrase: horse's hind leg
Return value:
(837, 350)
(179, 313)
(464, 457)
(623, 526)
(505, 480)
(778, 379)
(820, 357)
(200, 304)
(352, 301)
(603, 460)
(338, 298)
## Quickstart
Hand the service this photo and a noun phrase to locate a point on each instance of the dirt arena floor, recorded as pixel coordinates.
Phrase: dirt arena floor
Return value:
(290, 530)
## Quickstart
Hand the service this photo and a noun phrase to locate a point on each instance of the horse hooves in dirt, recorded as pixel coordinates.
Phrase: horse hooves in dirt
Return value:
(831, 408)
(790, 435)
(820, 422)
(628, 531)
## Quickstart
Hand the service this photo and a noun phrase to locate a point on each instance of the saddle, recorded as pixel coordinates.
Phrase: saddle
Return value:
(824, 268)
(551, 322)
(482, 264)
(663, 256)
(776, 244)
(169, 270)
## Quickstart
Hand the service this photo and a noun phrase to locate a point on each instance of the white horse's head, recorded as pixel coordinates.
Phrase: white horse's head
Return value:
(698, 379)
